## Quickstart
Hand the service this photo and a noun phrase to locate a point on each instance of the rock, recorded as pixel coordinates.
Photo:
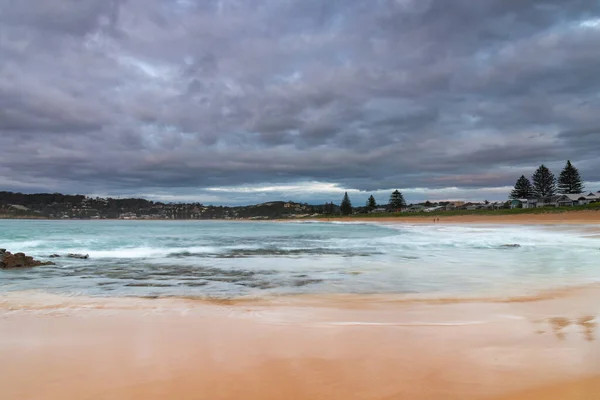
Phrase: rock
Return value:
(19, 260)
(53, 256)
(2, 251)
(80, 256)
(511, 245)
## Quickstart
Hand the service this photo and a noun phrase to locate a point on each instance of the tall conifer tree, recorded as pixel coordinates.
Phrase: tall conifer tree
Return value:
(397, 200)
(346, 206)
(544, 182)
(371, 203)
(569, 181)
(523, 189)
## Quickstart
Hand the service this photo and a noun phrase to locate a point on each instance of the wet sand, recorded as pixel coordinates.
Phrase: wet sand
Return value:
(566, 218)
(344, 347)
(586, 389)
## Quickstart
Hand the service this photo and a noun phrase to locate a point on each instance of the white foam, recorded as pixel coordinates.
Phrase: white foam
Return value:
(146, 252)
(393, 258)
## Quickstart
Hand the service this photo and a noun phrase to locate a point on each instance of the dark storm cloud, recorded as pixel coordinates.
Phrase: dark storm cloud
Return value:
(140, 96)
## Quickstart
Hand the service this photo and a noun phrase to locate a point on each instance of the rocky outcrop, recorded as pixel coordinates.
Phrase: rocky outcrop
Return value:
(19, 260)
(80, 256)
(511, 245)
(71, 255)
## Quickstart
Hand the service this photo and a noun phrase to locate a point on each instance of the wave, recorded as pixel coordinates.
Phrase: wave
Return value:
(219, 252)
(273, 252)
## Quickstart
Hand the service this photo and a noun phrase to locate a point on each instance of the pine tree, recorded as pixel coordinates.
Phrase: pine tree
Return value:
(397, 200)
(544, 182)
(569, 181)
(371, 203)
(346, 206)
(523, 189)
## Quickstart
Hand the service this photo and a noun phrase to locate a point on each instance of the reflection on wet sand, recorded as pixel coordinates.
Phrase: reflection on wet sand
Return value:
(559, 325)
(588, 323)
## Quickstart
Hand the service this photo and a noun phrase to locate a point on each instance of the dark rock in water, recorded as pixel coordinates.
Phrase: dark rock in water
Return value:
(511, 245)
(19, 260)
(304, 282)
(2, 251)
(80, 256)
(54, 256)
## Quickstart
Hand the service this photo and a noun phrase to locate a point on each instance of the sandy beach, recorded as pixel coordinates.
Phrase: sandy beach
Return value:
(565, 218)
(535, 346)
(297, 347)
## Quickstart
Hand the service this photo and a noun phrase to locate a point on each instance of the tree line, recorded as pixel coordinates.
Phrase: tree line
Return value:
(396, 203)
(545, 184)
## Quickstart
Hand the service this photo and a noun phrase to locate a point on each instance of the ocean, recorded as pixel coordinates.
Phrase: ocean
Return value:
(220, 259)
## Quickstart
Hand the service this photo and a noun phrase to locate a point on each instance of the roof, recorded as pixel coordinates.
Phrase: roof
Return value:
(575, 197)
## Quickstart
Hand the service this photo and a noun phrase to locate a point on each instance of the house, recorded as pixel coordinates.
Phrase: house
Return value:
(414, 208)
(453, 205)
(593, 197)
(528, 203)
(18, 207)
(560, 200)
(539, 202)
(569, 200)
(434, 209)
(582, 199)
(378, 210)
(471, 206)
(517, 203)
(493, 206)
(498, 205)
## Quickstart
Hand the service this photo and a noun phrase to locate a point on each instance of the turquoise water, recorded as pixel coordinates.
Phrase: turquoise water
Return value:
(229, 259)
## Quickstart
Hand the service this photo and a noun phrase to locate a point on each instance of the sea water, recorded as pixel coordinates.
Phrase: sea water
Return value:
(231, 259)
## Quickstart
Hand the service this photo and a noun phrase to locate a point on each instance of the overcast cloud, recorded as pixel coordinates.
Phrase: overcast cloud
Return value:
(243, 101)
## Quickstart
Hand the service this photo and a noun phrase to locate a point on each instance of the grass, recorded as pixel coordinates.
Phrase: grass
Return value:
(453, 213)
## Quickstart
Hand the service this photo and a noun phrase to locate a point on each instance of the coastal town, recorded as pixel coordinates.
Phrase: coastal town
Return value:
(59, 206)
(82, 207)
(544, 190)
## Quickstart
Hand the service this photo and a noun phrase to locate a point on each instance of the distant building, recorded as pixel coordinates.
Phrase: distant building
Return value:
(19, 207)
(414, 208)
(517, 203)
(561, 200)
(434, 209)
(453, 205)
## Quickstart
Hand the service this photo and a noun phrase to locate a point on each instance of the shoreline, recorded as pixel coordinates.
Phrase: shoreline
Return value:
(299, 348)
(577, 217)
(40, 300)
(565, 218)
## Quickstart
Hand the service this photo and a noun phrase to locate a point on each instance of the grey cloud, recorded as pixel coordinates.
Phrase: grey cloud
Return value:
(70, 17)
(142, 95)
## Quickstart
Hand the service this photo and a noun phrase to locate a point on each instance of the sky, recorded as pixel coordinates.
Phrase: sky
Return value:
(246, 101)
